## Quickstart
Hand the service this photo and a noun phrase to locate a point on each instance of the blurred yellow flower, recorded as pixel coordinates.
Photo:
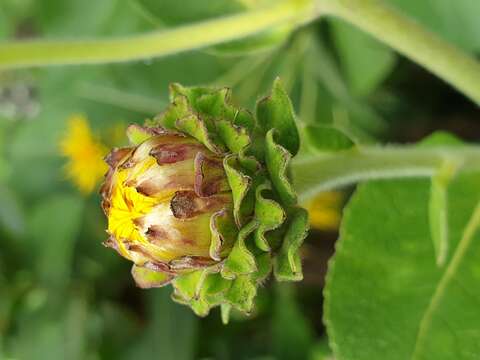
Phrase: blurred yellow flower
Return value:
(325, 210)
(85, 153)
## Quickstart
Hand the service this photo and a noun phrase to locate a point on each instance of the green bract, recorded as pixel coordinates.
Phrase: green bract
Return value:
(260, 227)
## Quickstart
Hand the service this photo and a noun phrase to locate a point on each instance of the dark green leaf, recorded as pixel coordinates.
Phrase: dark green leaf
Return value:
(170, 331)
(12, 217)
(292, 335)
(54, 225)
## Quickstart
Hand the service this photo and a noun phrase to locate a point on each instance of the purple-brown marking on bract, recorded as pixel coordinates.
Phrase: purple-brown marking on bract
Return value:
(147, 188)
(113, 159)
(158, 266)
(190, 242)
(172, 153)
(206, 185)
(190, 262)
(183, 205)
(186, 204)
(116, 156)
(156, 233)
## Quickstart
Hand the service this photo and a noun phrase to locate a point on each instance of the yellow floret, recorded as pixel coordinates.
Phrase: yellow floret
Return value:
(85, 166)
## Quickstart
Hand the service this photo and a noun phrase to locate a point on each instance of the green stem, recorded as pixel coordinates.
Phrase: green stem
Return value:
(312, 175)
(154, 44)
(410, 39)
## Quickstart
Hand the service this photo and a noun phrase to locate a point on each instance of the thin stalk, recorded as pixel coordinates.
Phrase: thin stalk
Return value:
(410, 39)
(154, 44)
(312, 175)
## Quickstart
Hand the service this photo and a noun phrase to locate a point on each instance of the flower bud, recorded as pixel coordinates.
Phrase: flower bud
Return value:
(159, 198)
(203, 200)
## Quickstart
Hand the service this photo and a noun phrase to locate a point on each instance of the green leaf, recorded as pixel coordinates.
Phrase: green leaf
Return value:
(54, 225)
(276, 112)
(5, 25)
(73, 18)
(242, 292)
(137, 134)
(365, 61)
(172, 12)
(241, 261)
(292, 335)
(386, 298)
(288, 265)
(146, 278)
(327, 138)
(170, 331)
(240, 185)
(438, 202)
(197, 128)
(12, 217)
(269, 214)
(277, 159)
(264, 41)
(321, 350)
(456, 21)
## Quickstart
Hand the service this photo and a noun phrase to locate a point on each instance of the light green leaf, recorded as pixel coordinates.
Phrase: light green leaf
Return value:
(456, 21)
(365, 61)
(288, 265)
(146, 278)
(438, 202)
(327, 138)
(277, 159)
(386, 298)
(269, 214)
(241, 261)
(240, 185)
(276, 112)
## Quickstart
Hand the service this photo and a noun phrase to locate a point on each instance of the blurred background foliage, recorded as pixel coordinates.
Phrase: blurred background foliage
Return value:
(62, 295)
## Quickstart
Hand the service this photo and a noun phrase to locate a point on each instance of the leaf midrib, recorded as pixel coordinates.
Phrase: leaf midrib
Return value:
(467, 236)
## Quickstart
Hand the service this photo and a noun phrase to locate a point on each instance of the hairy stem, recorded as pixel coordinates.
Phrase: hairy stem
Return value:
(372, 16)
(410, 39)
(154, 44)
(312, 175)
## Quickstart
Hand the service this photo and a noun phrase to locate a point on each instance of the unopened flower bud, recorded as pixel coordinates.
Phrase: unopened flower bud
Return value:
(159, 198)
(202, 199)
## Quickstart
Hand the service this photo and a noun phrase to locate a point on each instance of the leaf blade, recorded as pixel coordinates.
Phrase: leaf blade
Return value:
(384, 276)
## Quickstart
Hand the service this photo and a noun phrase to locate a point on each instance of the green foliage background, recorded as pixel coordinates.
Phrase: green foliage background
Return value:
(63, 296)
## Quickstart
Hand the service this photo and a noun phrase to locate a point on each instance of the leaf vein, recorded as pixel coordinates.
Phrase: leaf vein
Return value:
(449, 274)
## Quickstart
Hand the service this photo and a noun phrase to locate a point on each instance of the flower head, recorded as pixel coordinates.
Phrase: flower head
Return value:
(202, 199)
(325, 210)
(159, 201)
(85, 154)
